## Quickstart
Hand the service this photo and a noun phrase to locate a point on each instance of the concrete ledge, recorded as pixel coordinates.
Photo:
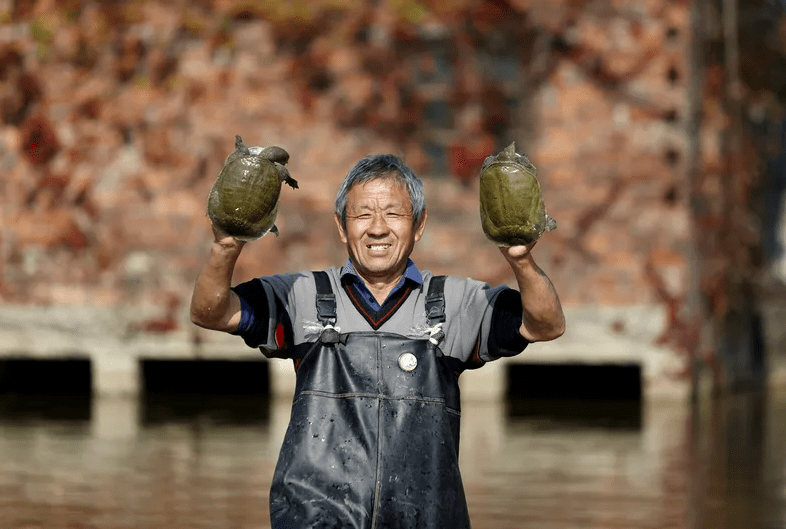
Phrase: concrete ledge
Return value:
(595, 335)
(618, 335)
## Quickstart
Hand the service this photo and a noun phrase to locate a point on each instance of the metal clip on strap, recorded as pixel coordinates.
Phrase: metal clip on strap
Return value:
(326, 309)
(330, 334)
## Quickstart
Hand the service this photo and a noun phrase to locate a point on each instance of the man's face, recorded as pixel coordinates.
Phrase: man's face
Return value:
(379, 234)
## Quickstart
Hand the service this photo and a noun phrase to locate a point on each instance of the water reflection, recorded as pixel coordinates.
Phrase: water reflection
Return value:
(196, 461)
(739, 462)
(23, 408)
(570, 413)
(238, 410)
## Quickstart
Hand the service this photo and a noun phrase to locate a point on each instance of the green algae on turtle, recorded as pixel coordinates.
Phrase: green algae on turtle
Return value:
(244, 200)
(511, 204)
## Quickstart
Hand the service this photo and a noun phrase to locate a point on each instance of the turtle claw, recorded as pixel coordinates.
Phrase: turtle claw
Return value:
(291, 182)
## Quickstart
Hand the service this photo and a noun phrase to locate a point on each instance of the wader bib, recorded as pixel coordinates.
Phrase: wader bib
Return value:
(373, 440)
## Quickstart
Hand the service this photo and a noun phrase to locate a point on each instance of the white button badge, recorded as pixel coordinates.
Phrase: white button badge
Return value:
(407, 361)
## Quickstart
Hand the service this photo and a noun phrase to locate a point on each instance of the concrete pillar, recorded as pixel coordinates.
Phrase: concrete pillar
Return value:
(115, 417)
(488, 383)
(115, 373)
(280, 412)
(282, 389)
(482, 433)
(282, 378)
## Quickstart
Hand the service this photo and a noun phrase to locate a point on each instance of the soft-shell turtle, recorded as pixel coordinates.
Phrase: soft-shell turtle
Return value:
(243, 202)
(511, 205)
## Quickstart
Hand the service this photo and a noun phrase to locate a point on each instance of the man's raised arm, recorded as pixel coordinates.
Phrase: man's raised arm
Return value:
(542, 316)
(213, 305)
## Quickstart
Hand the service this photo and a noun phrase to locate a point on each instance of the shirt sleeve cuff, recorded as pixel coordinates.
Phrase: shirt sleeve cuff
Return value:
(505, 338)
(246, 317)
(254, 313)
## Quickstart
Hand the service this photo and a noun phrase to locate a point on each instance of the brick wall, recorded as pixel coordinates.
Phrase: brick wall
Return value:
(116, 120)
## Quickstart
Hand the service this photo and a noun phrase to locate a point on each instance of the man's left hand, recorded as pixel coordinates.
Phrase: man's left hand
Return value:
(515, 254)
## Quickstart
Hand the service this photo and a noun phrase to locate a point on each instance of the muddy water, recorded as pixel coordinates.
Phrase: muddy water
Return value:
(207, 463)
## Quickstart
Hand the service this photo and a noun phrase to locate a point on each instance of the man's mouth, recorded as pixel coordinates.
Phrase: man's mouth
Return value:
(378, 247)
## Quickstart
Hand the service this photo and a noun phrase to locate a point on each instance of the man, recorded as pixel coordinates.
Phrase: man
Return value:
(378, 346)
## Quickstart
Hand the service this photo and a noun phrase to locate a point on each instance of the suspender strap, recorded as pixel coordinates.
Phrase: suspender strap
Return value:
(326, 299)
(435, 300)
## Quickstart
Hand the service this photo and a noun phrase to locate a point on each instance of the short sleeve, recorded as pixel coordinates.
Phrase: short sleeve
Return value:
(483, 321)
(267, 305)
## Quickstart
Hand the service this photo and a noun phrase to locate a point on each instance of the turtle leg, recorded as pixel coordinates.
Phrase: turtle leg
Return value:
(284, 175)
(240, 146)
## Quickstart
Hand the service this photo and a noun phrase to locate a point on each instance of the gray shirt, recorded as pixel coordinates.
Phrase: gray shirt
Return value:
(482, 322)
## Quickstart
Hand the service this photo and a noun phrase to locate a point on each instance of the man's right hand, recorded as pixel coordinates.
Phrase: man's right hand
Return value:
(227, 242)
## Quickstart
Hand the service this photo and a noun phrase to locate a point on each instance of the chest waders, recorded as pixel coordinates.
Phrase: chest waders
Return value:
(373, 440)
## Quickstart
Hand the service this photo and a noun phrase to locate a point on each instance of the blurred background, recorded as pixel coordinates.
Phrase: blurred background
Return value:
(657, 128)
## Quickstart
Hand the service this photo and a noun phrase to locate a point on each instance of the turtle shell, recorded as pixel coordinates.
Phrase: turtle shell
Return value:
(511, 204)
(244, 199)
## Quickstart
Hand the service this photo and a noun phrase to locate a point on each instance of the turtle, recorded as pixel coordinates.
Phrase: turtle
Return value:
(511, 204)
(244, 199)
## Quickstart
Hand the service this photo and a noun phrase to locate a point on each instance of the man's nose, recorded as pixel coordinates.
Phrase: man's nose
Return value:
(378, 225)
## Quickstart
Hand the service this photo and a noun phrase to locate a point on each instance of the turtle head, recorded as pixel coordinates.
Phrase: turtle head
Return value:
(509, 155)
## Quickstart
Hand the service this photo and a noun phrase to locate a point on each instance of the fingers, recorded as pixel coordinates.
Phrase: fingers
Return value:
(225, 240)
(517, 252)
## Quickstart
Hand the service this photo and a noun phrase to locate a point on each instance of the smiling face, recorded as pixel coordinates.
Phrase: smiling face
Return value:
(379, 231)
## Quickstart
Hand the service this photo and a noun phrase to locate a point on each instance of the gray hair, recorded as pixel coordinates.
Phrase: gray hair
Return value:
(378, 166)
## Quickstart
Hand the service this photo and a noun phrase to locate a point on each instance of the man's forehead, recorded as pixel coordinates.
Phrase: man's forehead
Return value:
(388, 203)
(387, 181)
(379, 193)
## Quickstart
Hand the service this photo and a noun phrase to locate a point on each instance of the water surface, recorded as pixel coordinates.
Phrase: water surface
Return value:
(206, 462)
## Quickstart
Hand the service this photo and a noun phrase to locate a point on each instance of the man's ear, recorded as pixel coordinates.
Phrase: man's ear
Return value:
(341, 232)
(421, 226)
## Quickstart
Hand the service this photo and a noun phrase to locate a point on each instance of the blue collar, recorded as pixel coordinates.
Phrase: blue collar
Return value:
(411, 272)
